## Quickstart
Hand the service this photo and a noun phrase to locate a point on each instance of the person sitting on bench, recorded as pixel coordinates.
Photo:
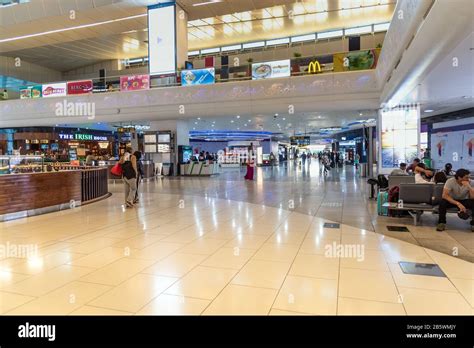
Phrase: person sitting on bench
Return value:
(402, 170)
(459, 193)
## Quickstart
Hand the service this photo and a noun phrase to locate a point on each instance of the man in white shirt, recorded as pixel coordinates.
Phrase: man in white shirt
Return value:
(400, 171)
(459, 193)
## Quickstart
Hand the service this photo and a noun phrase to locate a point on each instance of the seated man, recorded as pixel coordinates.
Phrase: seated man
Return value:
(412, 166)
(400, 171)
(457, 193)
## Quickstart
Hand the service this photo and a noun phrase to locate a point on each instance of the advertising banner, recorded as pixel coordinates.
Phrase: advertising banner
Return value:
(134, 83)
(27, 92)
(198, 77)
(80, 87)
(453, 147)
(356, 60)
(54, 90)
(162, 39)
(399, 136)
(268, 70)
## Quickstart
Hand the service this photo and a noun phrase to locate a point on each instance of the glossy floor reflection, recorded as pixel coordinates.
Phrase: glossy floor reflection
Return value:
(342, 196)
(185, 254)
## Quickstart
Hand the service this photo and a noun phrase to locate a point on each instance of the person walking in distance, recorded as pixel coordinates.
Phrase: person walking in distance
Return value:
(250, 163)
(140, 173)
(129, 177)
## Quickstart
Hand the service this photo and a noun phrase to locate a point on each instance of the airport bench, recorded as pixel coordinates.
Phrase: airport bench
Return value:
(418, 199)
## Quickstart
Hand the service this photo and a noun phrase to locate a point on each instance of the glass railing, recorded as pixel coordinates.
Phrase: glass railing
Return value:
(236, 71)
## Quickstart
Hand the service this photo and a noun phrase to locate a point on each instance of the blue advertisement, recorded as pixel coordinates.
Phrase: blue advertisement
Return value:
(198, 77)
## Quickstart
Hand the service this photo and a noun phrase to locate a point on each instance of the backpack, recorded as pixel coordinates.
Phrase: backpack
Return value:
(383, 182)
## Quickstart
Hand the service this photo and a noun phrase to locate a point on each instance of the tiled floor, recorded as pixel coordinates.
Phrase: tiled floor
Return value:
(341, 197)
(185, 253)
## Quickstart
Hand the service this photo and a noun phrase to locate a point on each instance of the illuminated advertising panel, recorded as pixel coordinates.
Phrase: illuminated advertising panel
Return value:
(54, 90)
(162, 38)
(198, 77)
(268, 70)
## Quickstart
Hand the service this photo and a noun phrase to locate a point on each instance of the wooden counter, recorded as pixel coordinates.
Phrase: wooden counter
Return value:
(31, 194)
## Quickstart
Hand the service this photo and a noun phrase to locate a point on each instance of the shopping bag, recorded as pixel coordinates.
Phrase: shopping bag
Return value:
(116, 170)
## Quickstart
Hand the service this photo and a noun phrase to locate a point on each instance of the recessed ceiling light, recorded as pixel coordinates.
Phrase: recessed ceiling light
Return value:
(284, 118)
(231, 121)
(360, 113)
(276, 114)
(238, 116)
(199, 118)
(319, 116)
(429, 110)
(209, 2)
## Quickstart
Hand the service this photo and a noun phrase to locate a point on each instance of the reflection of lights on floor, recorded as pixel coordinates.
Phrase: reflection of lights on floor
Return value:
(35, 262)
(5, 274)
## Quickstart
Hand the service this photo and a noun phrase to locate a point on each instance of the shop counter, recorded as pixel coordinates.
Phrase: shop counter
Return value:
(30, 194)
(200, 169)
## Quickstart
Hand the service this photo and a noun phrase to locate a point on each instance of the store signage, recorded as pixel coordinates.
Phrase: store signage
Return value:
(28, 92)
(267, 70)
(162, 39)
(134, 82)
(198, 77)
(314, 67)
(300, 140)
(80, 87)
(54, 90)
(84, 137)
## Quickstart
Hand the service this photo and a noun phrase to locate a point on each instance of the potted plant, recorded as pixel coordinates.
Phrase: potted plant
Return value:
(296, 62)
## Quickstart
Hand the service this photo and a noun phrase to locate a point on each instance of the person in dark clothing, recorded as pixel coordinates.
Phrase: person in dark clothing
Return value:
(140, 173)
(129, 177)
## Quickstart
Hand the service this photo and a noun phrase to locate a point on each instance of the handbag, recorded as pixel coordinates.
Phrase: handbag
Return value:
(116, 170)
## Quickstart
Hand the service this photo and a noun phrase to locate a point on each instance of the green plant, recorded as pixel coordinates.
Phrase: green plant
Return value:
(379, 45)
(250, 60)
(297, 55)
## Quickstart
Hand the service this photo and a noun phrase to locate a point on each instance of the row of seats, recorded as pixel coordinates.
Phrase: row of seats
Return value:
(419, 198)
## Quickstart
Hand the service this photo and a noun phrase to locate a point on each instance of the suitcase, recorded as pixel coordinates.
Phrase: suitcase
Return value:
(382, 198)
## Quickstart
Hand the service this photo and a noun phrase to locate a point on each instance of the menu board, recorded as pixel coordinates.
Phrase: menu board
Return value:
(198, 77)
(72, 154)
(399, 134)
(267, 70)
(134, 82)
(150, 138)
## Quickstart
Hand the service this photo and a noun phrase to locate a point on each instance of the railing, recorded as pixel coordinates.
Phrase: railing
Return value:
(94, 184)
(299, 66)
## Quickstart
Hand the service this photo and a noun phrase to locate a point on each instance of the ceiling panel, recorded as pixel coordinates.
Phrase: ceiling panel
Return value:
(226, 23)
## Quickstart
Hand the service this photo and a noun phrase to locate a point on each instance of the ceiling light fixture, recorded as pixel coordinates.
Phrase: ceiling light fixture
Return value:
(429, 110)
(210, 2)
(73, 28)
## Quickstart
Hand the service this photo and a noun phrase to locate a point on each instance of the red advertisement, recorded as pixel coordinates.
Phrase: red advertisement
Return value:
(80, 87)
(134, 83)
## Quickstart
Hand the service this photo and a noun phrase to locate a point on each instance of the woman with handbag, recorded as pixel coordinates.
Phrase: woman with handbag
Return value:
(128, 163)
